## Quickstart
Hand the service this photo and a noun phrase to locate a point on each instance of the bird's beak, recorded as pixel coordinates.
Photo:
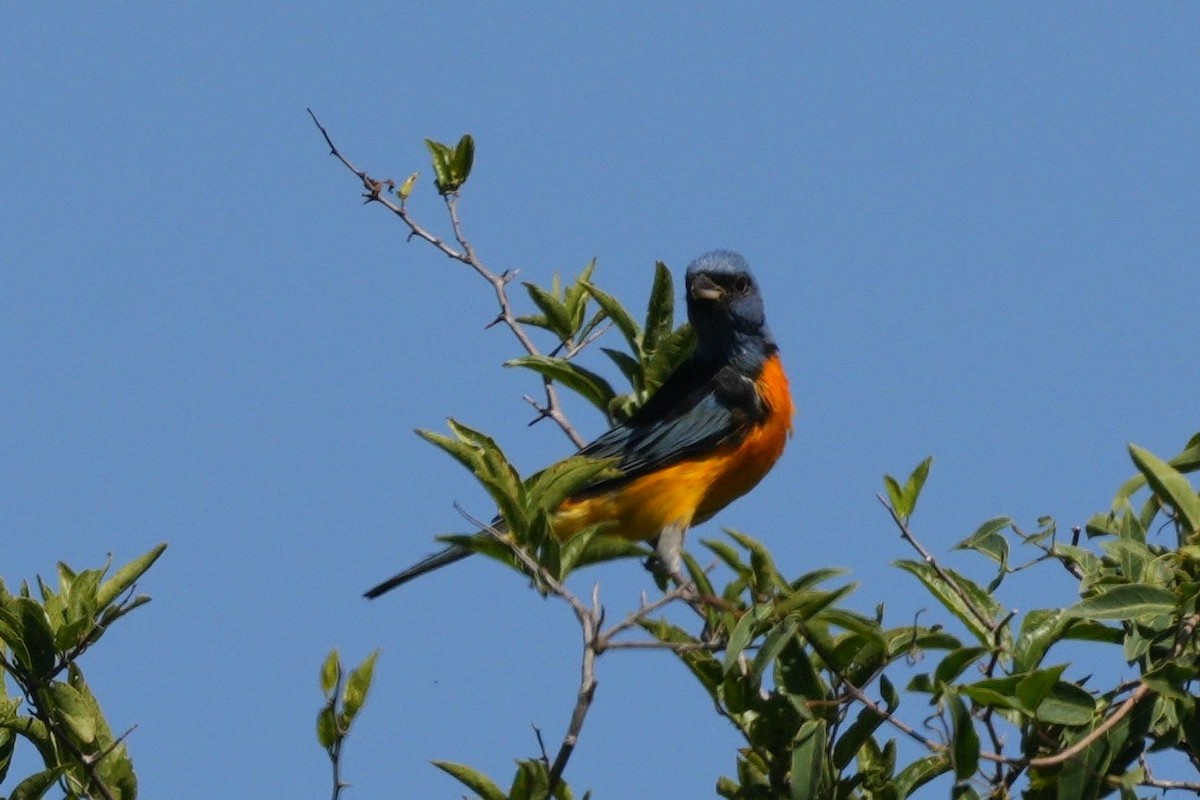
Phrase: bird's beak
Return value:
(704, 288)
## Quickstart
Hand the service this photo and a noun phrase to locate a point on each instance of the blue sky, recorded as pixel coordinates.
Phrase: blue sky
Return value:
(976, 227)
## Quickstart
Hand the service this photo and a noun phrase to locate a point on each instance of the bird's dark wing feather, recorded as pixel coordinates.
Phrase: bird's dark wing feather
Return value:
(700, 407)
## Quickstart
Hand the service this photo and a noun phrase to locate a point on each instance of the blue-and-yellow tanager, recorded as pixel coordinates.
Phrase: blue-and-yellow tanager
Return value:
(710, 433)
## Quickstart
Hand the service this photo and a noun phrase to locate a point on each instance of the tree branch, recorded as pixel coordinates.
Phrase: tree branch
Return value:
(1083, 744)
(376, 191)
(905, 534)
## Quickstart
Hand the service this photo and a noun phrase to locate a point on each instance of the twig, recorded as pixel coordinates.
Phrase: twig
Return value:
(335, 761)
(375, 192)
(590, 624)
(605, 639)
(1050, 761)
(595, 641)
(674, 647)
(1165, 785)
(987, 715)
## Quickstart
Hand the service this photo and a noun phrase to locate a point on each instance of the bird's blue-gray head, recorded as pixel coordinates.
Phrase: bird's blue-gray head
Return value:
(725, 307)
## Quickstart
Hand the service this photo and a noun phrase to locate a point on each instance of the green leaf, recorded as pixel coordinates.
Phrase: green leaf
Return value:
(854, 737)
(630, 367)
(463, 159)
(660, 311)
(890, 696)
(463, 452)
(406, 188)
(1187, 461)
(762, 567)
(904, 500)
(988, 540)
(475, 781)
(66, 576)
(550, 487)
(895, 495)
(358, 684)
(919, 773)
(36, 785)
(1169, 485)
(964, 739)
(327, 728)
(127, 575)
(576, 296)
(1036, 685)
(8, 743)
(12, 631)
(808, 604)
(620, 317)
(592, 387)
(480, 454)
(440, 156)
(1040, 629)
(955, 602)
(728, 554)
(558, 316)
(1125, 602)
(37, 637)
(116, 771)
(912, 639)
(955, 662)
(996, 693)
(671, 352)
(797, 676)
(331, 673)
(773, 644)
(810, 579)
(603, 547)
(916, 482)
(75, 712)
(1066, 704)
(808, 756)
(699, 577)
(531, 781)
(743, 633)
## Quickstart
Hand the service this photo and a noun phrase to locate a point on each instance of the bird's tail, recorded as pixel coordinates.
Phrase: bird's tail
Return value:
(428, 564)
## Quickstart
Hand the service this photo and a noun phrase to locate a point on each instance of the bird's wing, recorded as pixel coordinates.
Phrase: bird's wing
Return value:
(698, 409)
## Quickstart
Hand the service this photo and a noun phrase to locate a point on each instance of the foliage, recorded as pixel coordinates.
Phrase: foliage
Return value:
(345, 696)
(814, 688)
(43, 639)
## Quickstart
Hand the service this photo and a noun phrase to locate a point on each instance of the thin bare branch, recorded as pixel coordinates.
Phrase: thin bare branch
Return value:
(377, 191)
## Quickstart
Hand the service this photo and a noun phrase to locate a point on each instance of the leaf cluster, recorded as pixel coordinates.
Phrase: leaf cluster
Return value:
(655, 347)
(788, 653)
(451, 166)
(521, 536)
(792, 666)
(345, 696)
(820, 693)
(531, 782)
(41, 641)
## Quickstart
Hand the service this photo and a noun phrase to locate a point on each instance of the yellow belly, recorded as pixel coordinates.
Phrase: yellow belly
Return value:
(690, 491)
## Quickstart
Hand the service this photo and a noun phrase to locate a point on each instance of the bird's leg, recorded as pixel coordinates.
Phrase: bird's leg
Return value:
(667, 561)
(667, 566)
(669, 549)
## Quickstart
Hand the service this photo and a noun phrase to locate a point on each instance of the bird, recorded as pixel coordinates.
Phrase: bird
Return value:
(713, 430)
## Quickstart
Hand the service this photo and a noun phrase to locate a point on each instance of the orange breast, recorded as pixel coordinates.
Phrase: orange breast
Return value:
(691, 491)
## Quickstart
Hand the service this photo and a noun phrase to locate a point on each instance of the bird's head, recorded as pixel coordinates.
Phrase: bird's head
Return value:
(725, 307)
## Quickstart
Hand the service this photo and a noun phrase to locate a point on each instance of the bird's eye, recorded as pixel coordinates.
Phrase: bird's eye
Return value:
(741, 284)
